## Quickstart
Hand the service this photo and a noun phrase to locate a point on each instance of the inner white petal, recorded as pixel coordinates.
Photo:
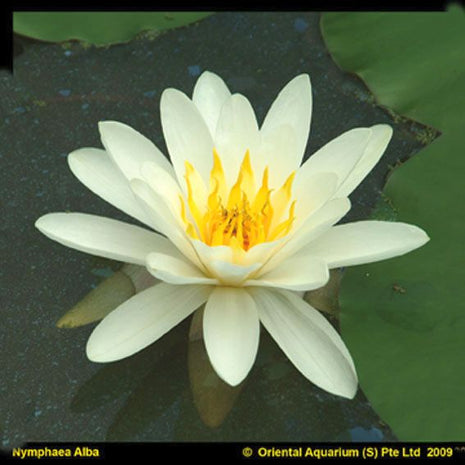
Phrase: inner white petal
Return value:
(230, 274)
(380, 136)
(296, 273)
(175, 269)
(315, 225)
(210, 93)
(164, 220)
(338, 156)
(313, 195)
(292, 107)
(236, 132)
(275, 151)
(186, 134)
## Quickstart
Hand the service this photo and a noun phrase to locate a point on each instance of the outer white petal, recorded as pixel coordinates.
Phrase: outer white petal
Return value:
(97, 171)
(236, 132)
(292, 107)
(103, 236)
(186, 134)
(365, 242)
(231, 332)
(142, 320)
(129, 149)
(297, 273)
(314, 226)
(379, 140)
(175, 269)
(338, 156)
(210, 92)
(308, 340)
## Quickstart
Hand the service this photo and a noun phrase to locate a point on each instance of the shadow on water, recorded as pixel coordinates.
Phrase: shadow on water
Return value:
(115, 380)
(169, 392)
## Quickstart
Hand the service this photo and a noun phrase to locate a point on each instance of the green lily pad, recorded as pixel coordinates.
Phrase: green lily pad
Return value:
(403, 319)
(98, 28)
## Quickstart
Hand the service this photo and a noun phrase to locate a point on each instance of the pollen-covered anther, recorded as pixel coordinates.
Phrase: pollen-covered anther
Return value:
(241, 216)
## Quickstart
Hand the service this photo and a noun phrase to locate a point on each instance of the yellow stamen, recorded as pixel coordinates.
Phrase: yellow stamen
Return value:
(284, 228)
(192, 232)
(217, 177)
(189, 226)
(235, 244)
(281, 199)
(235, 194)
(248, 178)
(263, 194)
(249, 217)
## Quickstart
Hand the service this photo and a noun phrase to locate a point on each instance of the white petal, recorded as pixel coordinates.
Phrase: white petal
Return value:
(273, 152)
(103, 237)
(142, 320)
(160, 207)
(236, 132)
(164, 220)
(208, 254)
(155, 207)
(231, 274)
(164, 186)
(313, 194)
(292, 107)
(129, 149)
(175, 269)
(219, 261)
(315, 225)
(96, 170)
(244, 259)
(186, 134)
(338, 156)
(296, 273)
(259, 253)
(365, 242)
(308, 340)
(231, 332)
(379, 140)
(210, 92)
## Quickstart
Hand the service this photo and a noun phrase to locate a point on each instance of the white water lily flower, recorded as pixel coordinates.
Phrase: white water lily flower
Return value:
(242, 227)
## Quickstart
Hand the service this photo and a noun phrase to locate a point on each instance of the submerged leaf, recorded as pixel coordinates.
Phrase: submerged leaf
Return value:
(99, 302)
(110, 293)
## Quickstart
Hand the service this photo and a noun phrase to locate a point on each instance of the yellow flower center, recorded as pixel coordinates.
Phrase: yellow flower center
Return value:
(242, 217)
